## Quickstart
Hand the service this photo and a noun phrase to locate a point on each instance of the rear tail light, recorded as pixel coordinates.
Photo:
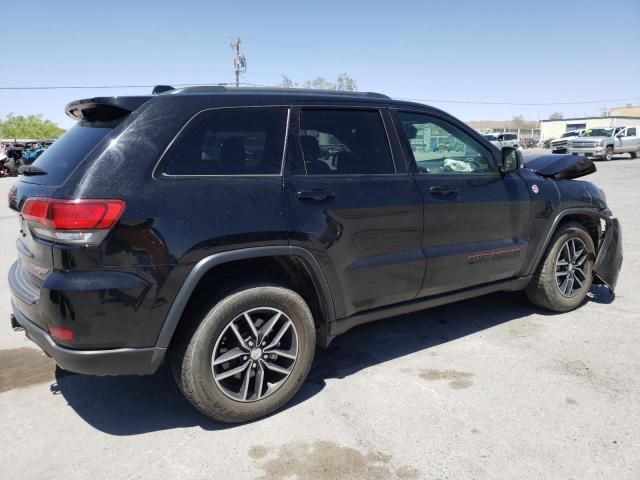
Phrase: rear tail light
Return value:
(85, 221)
(61, 333)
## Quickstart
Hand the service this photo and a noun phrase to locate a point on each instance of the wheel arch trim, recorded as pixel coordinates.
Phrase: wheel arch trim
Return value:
(206, 264)
(554, 227)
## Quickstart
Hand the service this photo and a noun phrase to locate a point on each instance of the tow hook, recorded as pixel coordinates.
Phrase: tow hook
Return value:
(15, 325)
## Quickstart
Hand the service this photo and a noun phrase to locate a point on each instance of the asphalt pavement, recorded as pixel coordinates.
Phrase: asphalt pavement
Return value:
(490, 388)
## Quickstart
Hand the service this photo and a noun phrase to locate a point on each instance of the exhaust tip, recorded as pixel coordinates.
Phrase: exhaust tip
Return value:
(15, 325)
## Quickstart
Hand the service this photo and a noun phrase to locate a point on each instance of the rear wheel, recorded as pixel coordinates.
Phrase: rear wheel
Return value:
(248, 355)
(633, 154)
(564, 276)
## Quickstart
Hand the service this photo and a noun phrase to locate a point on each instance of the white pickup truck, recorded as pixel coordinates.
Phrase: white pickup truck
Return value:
(605, 142)
(559, 145)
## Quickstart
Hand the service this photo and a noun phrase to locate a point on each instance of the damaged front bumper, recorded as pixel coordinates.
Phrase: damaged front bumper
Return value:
(609, 261)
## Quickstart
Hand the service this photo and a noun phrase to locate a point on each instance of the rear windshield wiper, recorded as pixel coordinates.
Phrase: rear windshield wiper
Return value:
(31, 170)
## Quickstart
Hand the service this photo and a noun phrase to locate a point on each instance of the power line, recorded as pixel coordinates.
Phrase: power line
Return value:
(75, 87)
(425, 100)
(473, 102)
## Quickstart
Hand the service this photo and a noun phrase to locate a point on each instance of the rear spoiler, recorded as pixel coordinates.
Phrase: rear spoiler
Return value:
(104, 108)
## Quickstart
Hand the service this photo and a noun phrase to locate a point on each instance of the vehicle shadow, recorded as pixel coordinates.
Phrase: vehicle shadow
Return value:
(134, 405)
(620, 156)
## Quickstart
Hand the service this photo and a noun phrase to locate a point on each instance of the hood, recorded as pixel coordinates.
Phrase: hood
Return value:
(561, 166)
(564, 139)
(592, 139)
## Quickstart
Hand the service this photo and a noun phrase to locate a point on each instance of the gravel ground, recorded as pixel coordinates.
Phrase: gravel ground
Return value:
(488, 388)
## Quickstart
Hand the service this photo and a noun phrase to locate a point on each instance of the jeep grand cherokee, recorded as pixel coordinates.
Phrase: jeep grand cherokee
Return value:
(233, 230)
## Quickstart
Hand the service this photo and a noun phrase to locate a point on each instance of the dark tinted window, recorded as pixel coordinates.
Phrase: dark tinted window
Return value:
(66, 153)
(232, 142)
(631, 132)
(347, 142)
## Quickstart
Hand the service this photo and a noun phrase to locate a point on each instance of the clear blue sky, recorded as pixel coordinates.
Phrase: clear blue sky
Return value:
(495, 51)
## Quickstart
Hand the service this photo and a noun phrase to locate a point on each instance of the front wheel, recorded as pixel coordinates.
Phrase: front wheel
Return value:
(633, 154)
(608, 153)
(564, 276)
(248, 355)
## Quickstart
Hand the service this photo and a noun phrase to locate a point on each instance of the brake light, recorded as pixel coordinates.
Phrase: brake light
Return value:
(61, 333)
(72, 221)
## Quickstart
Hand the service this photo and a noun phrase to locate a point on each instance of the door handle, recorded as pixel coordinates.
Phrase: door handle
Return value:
(442, 190)
(315, 194)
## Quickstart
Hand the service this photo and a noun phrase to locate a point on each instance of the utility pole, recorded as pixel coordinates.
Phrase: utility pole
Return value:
(239, 62)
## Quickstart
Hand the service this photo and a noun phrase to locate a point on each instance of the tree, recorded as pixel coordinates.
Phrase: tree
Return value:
(287, 82)
(343, 82)
(518, 121)
(31, 126)
(556, 116)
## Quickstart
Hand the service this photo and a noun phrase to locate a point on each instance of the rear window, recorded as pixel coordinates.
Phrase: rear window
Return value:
(66, 153)
(247, 141)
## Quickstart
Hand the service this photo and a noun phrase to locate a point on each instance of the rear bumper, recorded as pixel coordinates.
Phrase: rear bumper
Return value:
(609, 261)
(120, 361)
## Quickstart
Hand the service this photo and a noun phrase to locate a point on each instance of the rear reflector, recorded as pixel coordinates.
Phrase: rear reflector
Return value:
(61, 333)
(84, 221)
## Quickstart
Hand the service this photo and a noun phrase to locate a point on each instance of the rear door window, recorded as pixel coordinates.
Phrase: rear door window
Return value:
(247, 141)
(66, 153)
(344, 142)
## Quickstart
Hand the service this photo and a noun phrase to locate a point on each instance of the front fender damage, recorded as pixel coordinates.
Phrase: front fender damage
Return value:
(609, 260)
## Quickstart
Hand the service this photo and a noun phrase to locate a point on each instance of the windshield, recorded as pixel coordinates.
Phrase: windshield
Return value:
(598, 132)
(570, 134)
(491, 138)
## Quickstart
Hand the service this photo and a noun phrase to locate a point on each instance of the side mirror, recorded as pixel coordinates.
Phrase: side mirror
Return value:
(511, 160)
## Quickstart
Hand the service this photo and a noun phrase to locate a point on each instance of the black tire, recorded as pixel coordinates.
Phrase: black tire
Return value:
(608, 153)
(543, 289)
(193, 349)
(633, 154)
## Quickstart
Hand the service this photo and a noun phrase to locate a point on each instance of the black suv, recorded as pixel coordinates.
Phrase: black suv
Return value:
(233, 230)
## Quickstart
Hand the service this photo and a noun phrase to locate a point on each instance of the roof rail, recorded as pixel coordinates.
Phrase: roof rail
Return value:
(229, 89)
(376, 95)
(161, 89)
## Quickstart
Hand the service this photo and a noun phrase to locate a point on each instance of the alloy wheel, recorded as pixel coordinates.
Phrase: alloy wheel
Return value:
(255, 354)
(570, 267)
(608, 153)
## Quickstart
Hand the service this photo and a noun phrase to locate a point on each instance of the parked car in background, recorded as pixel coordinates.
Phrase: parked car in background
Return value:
(605, 142)
(502, 139)
(31, 154)
(559, 145)
(529, 142)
